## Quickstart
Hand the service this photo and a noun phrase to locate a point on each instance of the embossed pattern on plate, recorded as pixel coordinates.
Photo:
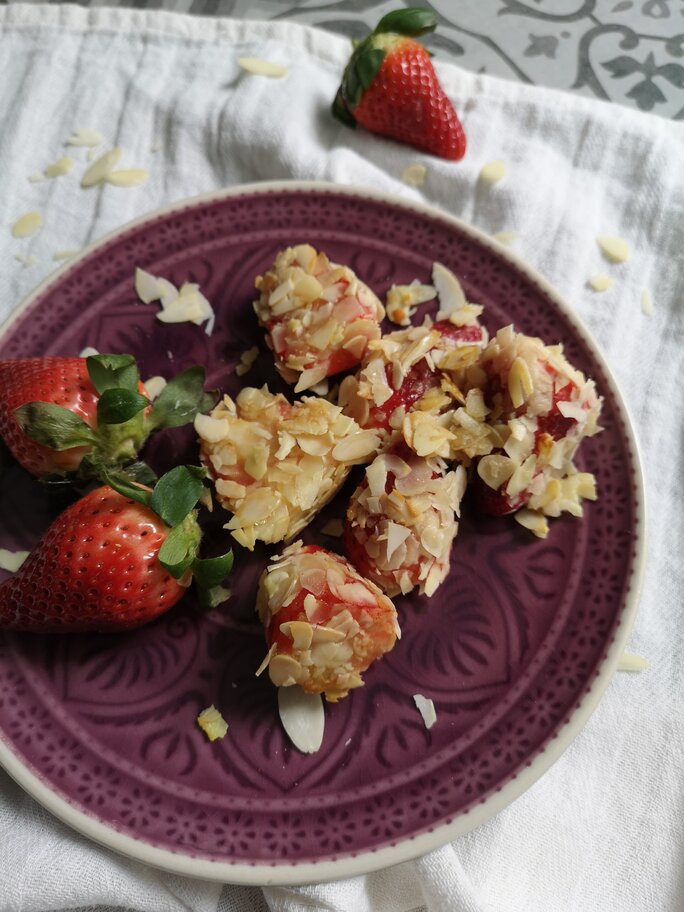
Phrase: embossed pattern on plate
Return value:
(509, 647)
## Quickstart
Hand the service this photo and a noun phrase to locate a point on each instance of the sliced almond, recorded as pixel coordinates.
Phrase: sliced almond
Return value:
(85, 136)
(300, 632)
(130, 177)
(414, 175)
(426, 708)
(303, 718)
(27, 225)
(258, 67)
(212, 723)
(449, 290)
(600, 283)
(646, 303)
(284, 670)
(614, 249)
(100, 168)
(630, 662)
(520, 385)
(492, 172)
(12, 560)
(59, 168)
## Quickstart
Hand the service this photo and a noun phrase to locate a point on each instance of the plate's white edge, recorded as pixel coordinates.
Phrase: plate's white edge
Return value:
(289, 873)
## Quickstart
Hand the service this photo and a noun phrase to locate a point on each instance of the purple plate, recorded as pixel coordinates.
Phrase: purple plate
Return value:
(515, 648)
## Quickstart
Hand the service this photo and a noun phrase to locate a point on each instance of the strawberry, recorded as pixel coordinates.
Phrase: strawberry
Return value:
(114, 560)
(390, 87)
(63, 416)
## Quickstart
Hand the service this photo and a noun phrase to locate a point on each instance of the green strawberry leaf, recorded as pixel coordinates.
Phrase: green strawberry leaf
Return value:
(177, 493)
(412, 21)
(179, 550)
(181, 399)
(368, 63)
(208, 575)
(118, 405)
(113, 372)
(341, 111)
(126, 486)
(212, 571)
(54, 426)
(352, 88)
(142, 473)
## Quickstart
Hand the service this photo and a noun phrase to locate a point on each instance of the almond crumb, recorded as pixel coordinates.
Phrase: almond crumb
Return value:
(600, 283)
(258, 67)
(414, 175)
(212, 723)
(646, 303)
(492, 172)
(614, 249)
(27, 225)
(426, 708)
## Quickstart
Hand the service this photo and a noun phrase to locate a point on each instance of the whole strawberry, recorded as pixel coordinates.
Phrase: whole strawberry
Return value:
(114, 560)
(61, 416)
(390, 87)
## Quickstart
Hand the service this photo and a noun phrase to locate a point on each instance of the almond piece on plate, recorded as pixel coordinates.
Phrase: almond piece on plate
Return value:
(303, 718)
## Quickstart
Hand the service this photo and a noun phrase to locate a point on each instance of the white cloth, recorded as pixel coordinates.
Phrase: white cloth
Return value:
(603, 830)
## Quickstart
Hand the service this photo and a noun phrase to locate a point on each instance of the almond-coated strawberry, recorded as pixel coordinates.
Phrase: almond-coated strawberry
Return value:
(390, 87)
(61, 415)
(112, 562)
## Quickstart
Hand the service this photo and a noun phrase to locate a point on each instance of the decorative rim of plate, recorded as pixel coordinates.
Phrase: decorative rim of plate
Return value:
(293, 873)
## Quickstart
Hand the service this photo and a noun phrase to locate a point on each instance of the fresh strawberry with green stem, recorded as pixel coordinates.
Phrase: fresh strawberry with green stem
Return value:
(75, 416)
(116, 559)
(390, 87)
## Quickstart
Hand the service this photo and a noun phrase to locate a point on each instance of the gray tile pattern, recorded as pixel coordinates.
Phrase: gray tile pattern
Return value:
(627, 51)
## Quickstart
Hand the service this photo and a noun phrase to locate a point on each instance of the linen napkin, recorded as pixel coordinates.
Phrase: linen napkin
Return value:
(604, 828)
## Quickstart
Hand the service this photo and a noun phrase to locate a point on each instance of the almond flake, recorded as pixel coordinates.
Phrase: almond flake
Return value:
(600, 283)
(266, 660)
(451, 295)
(60, 167)
(88, 351)
(25, 259)
(426, 708)
(414, 175)
(154, 386)
(646, 303)
(12, 560)
(27, 225)
(631, 662)
(258, 67)
(535, 522)
(613, 248)
(284, 670)
(505, 237)
(492, 172)
(100, 169)
(84, 136)
(65, 254)
(131, 177)
(520, 385)
(402, 301)
(247, 359)
(303, 718)
(212, 723)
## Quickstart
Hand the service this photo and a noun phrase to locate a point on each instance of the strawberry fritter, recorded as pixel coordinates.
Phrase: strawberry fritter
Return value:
(319, 316)
(324, 623)
(401, 522)
(275, 464)
(541, 408)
